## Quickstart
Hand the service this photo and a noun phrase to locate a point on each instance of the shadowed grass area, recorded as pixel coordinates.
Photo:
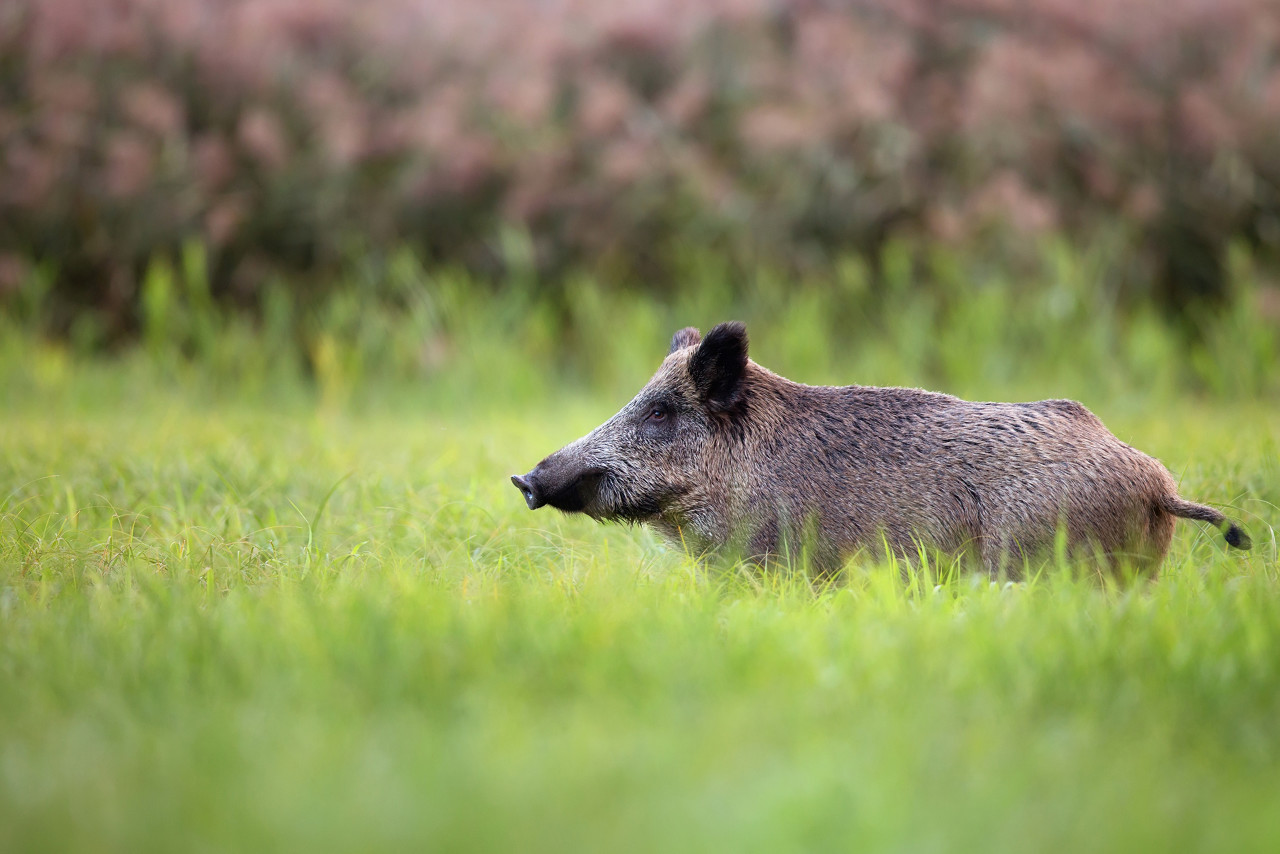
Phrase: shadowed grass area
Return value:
(227, 625)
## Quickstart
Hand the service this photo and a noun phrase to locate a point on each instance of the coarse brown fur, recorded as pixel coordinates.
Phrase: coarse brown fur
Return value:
(718, 452)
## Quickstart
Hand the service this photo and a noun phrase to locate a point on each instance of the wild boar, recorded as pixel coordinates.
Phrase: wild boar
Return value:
(718, 453)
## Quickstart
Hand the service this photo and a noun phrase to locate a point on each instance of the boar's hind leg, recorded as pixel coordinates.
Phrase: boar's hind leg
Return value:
(1159, 534)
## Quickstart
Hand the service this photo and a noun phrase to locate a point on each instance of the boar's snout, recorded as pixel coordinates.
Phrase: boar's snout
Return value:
(529, 490)
(562, 481)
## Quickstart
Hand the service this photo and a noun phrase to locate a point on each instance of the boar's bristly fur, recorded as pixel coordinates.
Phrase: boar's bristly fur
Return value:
(717, 452)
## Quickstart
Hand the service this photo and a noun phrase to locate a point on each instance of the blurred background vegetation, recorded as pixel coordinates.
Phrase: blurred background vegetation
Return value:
(957, 192)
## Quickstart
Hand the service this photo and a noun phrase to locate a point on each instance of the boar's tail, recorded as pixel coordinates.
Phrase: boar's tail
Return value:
(1231, 532)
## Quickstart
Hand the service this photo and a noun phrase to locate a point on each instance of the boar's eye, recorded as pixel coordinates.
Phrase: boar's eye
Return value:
(659, 421)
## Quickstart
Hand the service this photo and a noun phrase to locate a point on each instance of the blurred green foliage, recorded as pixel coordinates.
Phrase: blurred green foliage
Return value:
(1052, 327)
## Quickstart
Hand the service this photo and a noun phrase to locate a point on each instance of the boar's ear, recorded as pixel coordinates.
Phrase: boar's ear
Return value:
(687, 337)
(718, 364)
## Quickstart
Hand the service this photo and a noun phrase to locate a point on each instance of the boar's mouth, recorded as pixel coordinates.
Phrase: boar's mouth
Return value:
(630, 502)
(637, 509)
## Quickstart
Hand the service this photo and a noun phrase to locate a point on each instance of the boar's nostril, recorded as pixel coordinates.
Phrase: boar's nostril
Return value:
(526, 487)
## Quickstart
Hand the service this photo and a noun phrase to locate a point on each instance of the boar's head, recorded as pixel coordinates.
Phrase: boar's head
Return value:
(665, 456)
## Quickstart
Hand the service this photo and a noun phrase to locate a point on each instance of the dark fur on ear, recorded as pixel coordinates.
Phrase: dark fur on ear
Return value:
(687, 337)
(719, 363)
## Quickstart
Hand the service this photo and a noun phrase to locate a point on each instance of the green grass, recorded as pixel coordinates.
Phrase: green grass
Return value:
(265, 621)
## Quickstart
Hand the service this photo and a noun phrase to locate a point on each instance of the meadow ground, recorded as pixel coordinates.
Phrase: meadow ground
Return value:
(231, 623)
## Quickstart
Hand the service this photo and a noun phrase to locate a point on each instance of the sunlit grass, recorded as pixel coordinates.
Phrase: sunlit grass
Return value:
(290, 624)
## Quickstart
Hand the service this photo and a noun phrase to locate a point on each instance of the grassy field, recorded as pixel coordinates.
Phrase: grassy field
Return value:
(270, 621)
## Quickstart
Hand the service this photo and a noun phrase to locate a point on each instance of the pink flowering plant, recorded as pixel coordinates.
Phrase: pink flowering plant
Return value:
(280, 133)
